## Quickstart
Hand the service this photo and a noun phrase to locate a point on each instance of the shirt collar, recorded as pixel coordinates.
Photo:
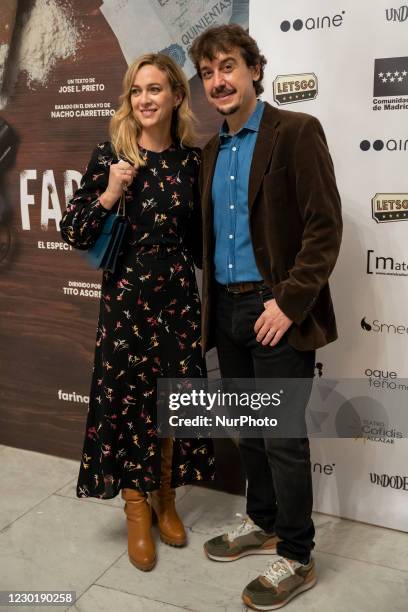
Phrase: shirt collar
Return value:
(252, 123)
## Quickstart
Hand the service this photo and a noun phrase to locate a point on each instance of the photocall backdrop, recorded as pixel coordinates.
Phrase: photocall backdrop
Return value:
(346, 62)
(61, 66)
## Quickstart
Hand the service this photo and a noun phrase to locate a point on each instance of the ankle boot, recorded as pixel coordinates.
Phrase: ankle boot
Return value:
(141, 547)
(171, 528)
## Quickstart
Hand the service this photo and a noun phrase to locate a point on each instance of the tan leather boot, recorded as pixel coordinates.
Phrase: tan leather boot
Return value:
(171, 528)
(141, 547)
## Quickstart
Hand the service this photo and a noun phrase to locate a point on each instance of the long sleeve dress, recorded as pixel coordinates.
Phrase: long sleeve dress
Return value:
(149, 321)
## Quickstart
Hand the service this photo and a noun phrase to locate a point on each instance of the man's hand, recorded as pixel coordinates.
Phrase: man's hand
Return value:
(272, 324)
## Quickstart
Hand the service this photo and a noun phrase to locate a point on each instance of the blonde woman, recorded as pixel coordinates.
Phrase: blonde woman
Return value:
(149, 321)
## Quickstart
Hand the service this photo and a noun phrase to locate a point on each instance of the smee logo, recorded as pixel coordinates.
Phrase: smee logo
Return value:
(313, 23)
(290, 88)
(397, 14)
(365, 325)
(392, 144)
(390, 207)
(383, 328)
(397, 482)
(387, 266)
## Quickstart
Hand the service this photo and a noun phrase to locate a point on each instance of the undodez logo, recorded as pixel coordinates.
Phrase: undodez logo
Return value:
(314, 23)
(400, 483)
(397, 14)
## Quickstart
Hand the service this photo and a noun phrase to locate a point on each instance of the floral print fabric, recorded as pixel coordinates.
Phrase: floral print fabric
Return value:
(149, 322)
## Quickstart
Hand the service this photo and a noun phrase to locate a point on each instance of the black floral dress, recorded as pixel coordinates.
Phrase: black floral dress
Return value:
(149, 322)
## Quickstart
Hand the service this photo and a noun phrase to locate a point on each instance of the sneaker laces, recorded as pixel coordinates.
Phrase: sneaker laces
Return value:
(275, 570)
(245, 526)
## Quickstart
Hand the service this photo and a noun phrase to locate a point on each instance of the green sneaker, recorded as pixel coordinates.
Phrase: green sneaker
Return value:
(246, 539)
(282, 580)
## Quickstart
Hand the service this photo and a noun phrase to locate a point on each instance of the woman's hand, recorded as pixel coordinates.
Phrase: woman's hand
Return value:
(121, 176)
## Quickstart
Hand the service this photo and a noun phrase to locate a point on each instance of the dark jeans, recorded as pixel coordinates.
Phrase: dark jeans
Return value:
(279, 480)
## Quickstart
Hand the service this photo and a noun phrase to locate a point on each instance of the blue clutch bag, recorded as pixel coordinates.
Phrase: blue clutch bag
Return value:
(105, 252)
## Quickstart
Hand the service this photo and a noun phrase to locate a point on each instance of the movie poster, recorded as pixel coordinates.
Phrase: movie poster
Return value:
(61, 67)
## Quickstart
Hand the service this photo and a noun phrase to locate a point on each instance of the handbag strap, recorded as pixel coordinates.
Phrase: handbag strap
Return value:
(121, 212)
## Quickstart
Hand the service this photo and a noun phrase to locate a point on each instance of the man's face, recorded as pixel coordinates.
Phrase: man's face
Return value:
(228, 82)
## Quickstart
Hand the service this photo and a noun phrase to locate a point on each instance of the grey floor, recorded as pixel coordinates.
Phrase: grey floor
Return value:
(50, 540)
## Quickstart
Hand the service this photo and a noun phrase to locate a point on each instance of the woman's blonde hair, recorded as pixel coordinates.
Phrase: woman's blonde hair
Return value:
(125, 129)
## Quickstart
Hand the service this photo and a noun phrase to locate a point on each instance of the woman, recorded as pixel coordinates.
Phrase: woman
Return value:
(149, 321)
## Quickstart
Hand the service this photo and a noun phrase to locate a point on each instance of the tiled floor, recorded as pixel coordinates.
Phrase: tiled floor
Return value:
(50, 540)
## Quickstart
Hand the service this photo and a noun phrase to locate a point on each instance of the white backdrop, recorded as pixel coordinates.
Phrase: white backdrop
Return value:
(339, 41)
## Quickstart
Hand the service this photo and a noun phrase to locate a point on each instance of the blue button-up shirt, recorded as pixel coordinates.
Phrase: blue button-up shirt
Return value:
(234, 255)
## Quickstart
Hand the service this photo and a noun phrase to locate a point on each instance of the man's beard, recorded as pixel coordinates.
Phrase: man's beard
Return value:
(228, 111)
(217, 93)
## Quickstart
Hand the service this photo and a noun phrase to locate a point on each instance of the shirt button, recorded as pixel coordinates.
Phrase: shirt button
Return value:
(230, 266)
(232, 178)
(232, 206)
(234, 148)
(231, 236)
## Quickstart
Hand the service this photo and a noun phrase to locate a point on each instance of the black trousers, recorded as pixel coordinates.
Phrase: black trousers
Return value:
(278, 471)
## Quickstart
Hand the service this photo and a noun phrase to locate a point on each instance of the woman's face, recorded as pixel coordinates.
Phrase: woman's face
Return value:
(152, 98)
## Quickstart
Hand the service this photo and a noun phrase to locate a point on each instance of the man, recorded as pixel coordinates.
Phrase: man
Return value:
(272, 231)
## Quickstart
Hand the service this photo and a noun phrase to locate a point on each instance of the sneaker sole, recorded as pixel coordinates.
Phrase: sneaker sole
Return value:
(263, 551)
(305, 587)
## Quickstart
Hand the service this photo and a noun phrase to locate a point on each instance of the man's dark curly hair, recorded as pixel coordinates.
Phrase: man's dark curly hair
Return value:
(224, 38)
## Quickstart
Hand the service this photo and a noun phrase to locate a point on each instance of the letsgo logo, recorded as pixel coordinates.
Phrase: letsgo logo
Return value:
(383, 328)
(313, 23)
(390, 207)
(290, 88)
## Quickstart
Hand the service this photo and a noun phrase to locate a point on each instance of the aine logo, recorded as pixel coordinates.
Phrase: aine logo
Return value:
(313, 23)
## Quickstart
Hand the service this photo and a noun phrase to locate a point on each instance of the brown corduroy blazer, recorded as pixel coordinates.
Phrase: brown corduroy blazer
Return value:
(295, 224)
